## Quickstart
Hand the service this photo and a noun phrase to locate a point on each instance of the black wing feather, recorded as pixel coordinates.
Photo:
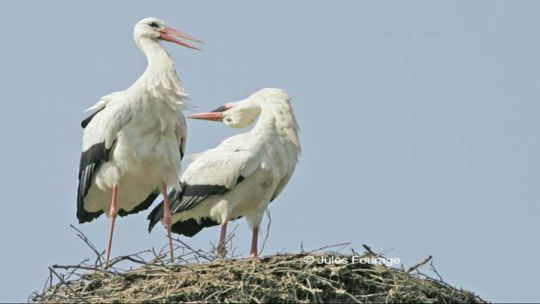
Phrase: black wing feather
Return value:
(91, 159)
(181, 148)
(188, 198)
(141, 206)
(190, 227)
(192, 195)
(87, 120)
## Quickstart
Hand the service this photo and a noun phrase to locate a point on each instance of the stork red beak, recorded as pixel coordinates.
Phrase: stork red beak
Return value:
(215, 115)
(167, 32)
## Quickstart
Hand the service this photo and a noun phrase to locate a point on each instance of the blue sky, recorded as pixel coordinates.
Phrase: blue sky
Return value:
(418, 124)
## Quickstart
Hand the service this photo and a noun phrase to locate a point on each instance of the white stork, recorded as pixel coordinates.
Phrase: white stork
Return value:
(133, 143)
(241, 176)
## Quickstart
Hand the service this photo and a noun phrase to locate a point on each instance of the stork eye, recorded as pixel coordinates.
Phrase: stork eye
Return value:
(154, 24)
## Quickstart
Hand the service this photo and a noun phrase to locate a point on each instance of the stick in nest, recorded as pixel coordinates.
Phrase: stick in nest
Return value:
(418, 265)
(82, 236)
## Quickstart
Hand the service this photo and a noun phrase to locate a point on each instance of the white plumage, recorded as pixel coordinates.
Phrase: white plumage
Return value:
(133, 143)
(242, 175)
(144, 137)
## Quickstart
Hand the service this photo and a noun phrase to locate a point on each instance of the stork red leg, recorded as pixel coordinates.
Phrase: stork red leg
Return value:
(253, 253)
(167, 218)
(222, 236)
(113, 212)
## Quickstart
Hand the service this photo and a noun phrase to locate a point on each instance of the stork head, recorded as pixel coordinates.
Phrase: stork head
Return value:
(238, 114)
(243, 113)
(156, 29)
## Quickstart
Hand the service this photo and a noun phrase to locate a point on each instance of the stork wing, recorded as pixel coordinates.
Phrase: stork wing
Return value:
(99, 138)
(181, 134)
(282, 183)
(87, 120)
(100, 105)
(213, 172)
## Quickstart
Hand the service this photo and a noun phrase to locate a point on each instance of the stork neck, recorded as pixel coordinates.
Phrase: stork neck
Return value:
(278, 117)
(160, 79)
(266, 118)
(158, 59)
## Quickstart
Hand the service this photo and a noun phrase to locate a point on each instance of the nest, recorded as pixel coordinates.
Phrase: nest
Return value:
(203, 277)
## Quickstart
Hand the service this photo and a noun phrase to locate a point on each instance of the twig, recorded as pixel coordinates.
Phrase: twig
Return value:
(196, 252)
(96, 269)
(342, 245)
(229, 243)
(416, 266)
(127, 258)
(267, 230)
(436, 272)
(64, 283)
(83, 237)
(75, 269)
(368, 249)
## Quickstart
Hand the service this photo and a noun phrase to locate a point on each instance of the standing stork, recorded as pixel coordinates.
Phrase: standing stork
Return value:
(133, 143)
(241, 176)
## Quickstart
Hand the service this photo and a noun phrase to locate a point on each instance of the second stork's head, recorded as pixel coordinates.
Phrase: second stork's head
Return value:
(155, 29)
(243, 113)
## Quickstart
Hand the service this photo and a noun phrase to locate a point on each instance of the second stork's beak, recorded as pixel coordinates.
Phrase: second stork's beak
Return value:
(215, 115)
(167, 33)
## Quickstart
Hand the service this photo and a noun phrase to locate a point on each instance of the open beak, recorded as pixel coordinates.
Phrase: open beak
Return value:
(168, 34)
(215, 115)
